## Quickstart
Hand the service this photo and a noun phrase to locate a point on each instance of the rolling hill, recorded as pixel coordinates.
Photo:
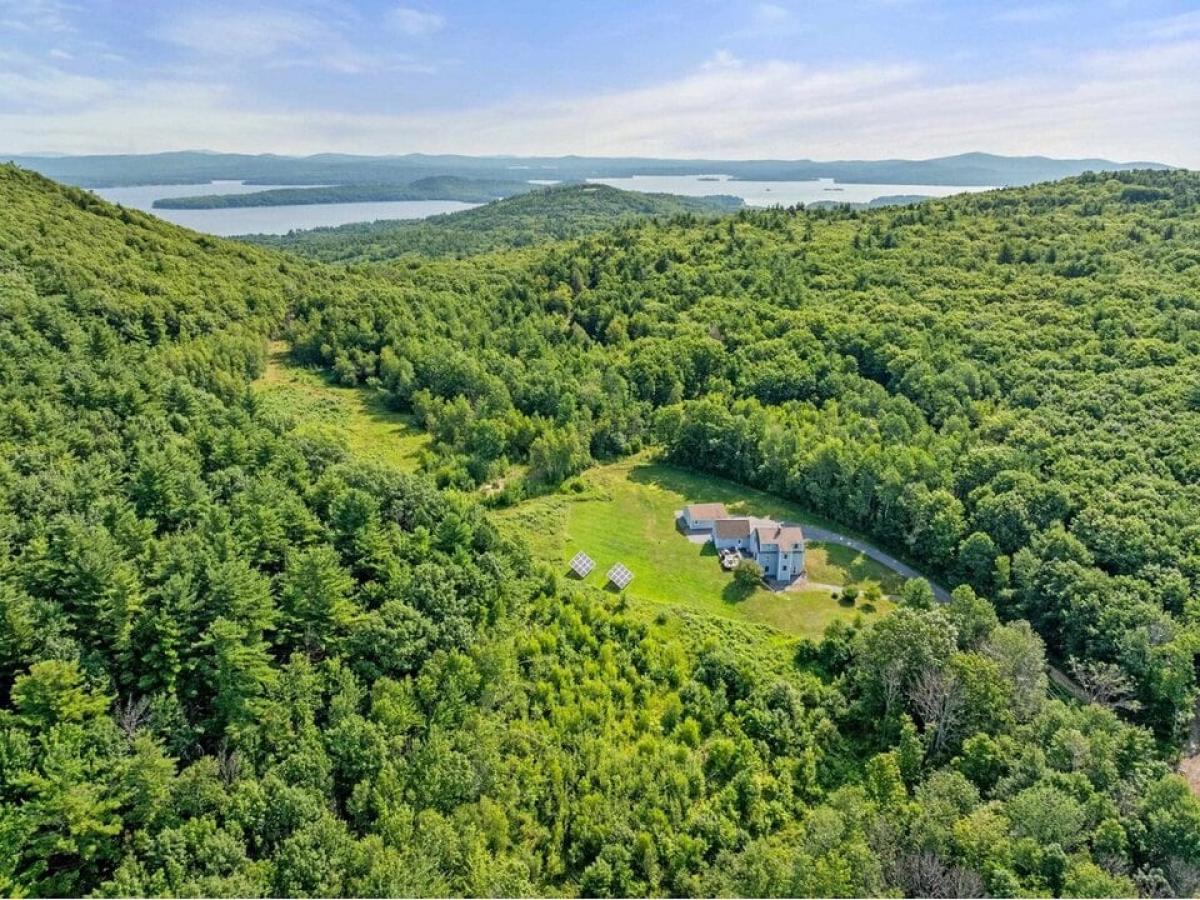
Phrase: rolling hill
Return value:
(237, 658)
(534, 217)
(331, 168)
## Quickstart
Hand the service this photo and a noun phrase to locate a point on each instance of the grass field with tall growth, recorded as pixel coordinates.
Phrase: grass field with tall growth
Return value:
(358, 418)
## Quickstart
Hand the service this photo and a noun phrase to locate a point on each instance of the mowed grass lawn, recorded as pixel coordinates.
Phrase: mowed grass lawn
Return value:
(627, 514)
(357, 417)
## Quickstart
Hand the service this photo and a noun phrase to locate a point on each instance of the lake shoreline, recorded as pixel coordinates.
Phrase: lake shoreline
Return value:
(228, 216)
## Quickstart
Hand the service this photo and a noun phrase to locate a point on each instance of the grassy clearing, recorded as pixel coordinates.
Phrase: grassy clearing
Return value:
(836, 564)
(626, 513)
(357, 417)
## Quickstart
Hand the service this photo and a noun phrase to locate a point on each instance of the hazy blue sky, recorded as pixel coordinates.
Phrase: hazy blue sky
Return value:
(845, 78)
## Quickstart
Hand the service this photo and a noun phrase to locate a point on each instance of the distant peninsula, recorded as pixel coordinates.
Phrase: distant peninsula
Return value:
(438, 187)
(561, 212)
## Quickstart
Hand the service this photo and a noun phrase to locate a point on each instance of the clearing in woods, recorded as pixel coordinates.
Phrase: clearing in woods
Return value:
(625, 512)
(358, 418)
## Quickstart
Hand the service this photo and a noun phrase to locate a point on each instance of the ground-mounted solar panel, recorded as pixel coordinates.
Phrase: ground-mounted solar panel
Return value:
(619, 575)
(581, 564)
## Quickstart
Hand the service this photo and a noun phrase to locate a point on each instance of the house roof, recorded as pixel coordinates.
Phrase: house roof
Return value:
(788, 537)
(732, 528)
(706, 511)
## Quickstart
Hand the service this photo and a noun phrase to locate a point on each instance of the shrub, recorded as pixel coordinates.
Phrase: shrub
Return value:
(748, 574)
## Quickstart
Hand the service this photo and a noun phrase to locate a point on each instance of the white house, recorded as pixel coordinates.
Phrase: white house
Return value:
(779, 549)
(732, 534)
(702, 516)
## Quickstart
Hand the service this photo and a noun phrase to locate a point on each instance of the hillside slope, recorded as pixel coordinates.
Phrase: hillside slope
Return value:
(1001, 385)
(536, 217)
(236, 660)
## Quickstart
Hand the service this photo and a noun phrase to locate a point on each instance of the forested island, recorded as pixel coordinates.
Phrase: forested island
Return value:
(239, 657)
(535, 217)
(438, 187)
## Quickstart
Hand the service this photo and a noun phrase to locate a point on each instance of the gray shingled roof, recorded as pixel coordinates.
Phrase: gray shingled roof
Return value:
(788, 537)
(732, 528)
(706, 511)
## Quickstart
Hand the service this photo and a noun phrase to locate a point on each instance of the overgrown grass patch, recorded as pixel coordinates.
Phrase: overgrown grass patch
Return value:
(358, 417)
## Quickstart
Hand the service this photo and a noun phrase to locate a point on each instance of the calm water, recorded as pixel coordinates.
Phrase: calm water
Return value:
(781, 193)
(267, 219)
(282, 219)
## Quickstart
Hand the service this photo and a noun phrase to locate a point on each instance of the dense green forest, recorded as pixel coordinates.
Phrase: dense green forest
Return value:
(1004, 386)
(535, 217)
(436, 187)
(238, 661)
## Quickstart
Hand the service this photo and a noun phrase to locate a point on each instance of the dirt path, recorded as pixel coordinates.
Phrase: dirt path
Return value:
(1189, 765)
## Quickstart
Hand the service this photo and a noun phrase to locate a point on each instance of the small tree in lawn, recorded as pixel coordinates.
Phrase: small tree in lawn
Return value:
(748, 575)
(917, 593)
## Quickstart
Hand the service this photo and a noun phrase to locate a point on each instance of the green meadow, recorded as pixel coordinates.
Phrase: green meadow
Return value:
(626, 513)
(356, 417)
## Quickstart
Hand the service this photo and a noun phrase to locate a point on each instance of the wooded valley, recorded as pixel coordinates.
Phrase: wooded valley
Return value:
(236, 658)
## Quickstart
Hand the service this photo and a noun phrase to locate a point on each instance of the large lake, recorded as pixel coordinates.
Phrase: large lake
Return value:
(267, 219)
(282, 219)
(779, 193)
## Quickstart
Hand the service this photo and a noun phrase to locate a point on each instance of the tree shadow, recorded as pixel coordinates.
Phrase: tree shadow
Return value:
(736, 592)
(858, 566)
(687, 484)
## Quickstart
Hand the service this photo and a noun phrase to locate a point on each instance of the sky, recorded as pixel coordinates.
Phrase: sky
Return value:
(820, 79)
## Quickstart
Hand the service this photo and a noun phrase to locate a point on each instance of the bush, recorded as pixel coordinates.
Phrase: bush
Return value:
(748, 574)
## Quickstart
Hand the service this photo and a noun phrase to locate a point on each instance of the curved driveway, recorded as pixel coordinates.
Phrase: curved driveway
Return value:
(825, 536)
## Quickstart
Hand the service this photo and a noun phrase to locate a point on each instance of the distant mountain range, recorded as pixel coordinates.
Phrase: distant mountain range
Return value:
(191, 167)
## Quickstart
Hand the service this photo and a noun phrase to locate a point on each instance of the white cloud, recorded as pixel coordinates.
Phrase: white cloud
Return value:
(415, 22)
(1173, 27)
(1035, 14)
(243, 33)
(769, 20)
(771, 14)
(30, 85)
(722, 59)
(277, 38)
(1142, 104)
(36, 15)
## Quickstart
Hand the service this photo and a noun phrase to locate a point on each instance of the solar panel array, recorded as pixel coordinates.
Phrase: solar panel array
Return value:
(581, 564)
(619, 575)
